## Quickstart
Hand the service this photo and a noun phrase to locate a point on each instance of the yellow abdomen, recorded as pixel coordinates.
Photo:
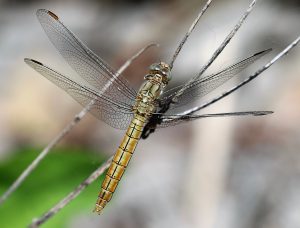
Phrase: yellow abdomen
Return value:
(120, 161)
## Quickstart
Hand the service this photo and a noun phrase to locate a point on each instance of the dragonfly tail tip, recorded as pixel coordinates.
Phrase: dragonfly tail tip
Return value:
(98, 209)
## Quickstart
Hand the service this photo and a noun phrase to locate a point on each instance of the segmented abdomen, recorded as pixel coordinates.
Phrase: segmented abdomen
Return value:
(120, 161)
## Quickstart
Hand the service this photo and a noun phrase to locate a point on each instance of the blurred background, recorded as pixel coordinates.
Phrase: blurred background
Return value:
(223, 172)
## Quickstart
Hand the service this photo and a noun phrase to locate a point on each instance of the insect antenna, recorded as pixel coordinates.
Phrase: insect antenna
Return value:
(186, 36)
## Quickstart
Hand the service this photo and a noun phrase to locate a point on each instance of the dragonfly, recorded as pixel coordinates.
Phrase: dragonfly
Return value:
(113, 100)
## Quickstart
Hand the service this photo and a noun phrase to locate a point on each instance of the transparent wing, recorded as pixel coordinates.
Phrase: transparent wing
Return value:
(87, 64)
(115, 114)
(172, 120)
(205, 85)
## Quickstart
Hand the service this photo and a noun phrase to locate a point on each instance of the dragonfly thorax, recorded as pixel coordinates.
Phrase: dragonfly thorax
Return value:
(156, 80)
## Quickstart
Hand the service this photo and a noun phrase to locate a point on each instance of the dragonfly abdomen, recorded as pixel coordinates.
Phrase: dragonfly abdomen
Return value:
(120, 161)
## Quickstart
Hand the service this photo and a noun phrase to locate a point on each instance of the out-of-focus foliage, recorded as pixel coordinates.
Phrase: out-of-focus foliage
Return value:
(55, 177)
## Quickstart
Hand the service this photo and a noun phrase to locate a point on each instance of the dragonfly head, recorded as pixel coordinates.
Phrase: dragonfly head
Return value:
(159, 72)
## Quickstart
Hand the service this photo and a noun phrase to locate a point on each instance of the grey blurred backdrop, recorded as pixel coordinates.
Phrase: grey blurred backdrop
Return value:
(229, 173)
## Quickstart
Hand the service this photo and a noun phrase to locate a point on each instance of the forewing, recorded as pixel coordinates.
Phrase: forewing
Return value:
(115, 114)
(86, 63)
(205, 85)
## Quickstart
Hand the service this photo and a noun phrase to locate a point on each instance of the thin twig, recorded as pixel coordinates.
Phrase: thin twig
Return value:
(72, 195)
(205, 7)
(247, 80)
(66, 130)
(219, 50)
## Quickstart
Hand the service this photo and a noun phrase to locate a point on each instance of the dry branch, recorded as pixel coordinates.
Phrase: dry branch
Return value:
(219, 50)
(186, 36)
(72, 195)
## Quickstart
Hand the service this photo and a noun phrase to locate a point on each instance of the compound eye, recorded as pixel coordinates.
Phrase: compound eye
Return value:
(153, 66)
(168, 75)
(147, 77)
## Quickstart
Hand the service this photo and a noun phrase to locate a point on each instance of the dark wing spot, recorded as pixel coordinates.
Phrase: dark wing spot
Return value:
(37, 62)
(53, 15)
